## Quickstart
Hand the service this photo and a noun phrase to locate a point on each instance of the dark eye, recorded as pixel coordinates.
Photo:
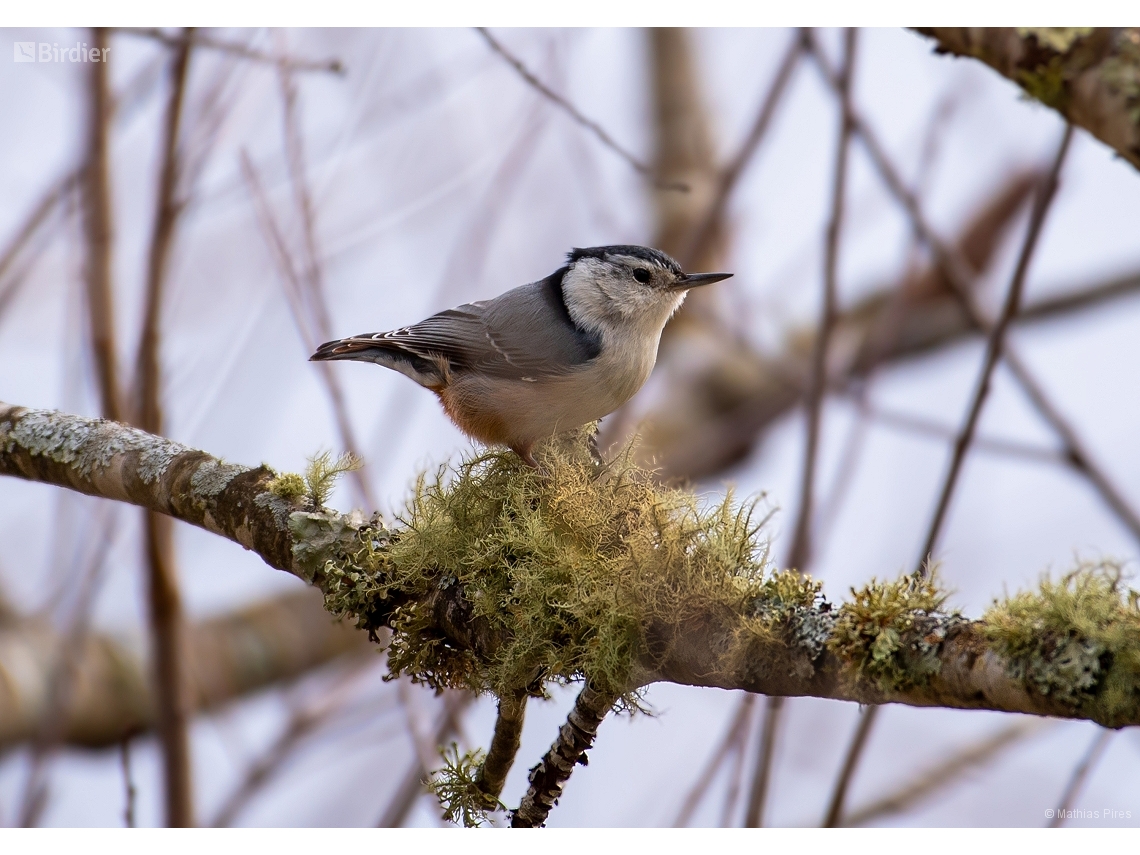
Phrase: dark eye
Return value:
(641, 275)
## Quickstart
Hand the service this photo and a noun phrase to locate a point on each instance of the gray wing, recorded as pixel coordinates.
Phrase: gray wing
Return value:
(525, 333)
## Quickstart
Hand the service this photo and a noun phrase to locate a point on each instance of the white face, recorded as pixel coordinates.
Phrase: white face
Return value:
(621, 291)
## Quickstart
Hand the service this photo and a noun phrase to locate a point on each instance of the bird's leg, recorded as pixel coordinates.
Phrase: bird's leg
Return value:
(523, 451)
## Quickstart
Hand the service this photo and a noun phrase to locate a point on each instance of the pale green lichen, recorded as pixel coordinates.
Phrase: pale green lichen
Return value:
(1059, 39)
(322, 472)
(1121, 71)
(88, 445)
(456, 786)
(566, 568)
(789, 606)
(1077, 640)
(891, 632)
(213, 476)
(288, 485)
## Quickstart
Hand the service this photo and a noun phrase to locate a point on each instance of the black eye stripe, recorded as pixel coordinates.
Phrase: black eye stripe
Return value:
(641, 275)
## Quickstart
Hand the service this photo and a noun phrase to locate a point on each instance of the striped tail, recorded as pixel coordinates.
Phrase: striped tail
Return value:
(429, 373)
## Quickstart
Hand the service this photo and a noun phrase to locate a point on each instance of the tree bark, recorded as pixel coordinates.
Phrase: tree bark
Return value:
(1091, 76)
(110, 460)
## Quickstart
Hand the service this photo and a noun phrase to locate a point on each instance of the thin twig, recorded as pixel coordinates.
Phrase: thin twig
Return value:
(850, 763)
(735, 778)
(97, 222)
(304, 720)
(994, 347)
(800, 553)
(1086, 297)
(128, 782)
(758, 795)
(733, 740)
(1080, 776)
(944, 774)
(167, 624)
(62, 678)
(34, 220)
(331, 66)
(936, 430)
(710, 224)
(31, 239)
(961, 278)
(411, 786)
(312, 300)
(574, 113)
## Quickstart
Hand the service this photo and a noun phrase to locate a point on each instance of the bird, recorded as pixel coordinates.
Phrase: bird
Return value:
(543, 358)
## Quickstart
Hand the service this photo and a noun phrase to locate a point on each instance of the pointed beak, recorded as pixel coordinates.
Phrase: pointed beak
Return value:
(692, 280)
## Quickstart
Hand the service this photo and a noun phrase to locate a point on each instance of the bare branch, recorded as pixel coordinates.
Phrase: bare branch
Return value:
(331, 66)
(960, 279)
(945, 774)
(164, 596)
(411, 786)
(593, 127)
(928, 427)
(733, 741)
(128, 783)
(310, 306)
(304, 720)
(850, 764)
(706, 230)
(1080, 776)
(758, 795)
(799, 557)
(98, 226)
(994, 347)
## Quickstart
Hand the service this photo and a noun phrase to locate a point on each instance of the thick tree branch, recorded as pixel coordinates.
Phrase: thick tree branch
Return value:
(1091, 76)
(890, 644)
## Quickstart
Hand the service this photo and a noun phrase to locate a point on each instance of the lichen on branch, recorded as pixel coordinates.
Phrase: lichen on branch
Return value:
(504, 579)
(1075, 639)
(555, 573)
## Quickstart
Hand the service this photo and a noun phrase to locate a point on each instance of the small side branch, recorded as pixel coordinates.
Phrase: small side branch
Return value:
(504, 745)
(553, 771)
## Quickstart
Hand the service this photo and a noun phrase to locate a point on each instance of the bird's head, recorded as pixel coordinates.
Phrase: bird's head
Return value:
(623, 286)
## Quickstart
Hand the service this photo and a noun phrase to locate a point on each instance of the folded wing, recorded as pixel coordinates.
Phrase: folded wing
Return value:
(525, 334)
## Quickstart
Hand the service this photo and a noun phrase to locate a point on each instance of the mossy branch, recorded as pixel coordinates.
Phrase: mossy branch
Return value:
(503, 579)
(1090, 75)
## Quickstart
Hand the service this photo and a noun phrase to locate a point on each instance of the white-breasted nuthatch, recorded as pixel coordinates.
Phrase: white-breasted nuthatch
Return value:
(543, 358)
